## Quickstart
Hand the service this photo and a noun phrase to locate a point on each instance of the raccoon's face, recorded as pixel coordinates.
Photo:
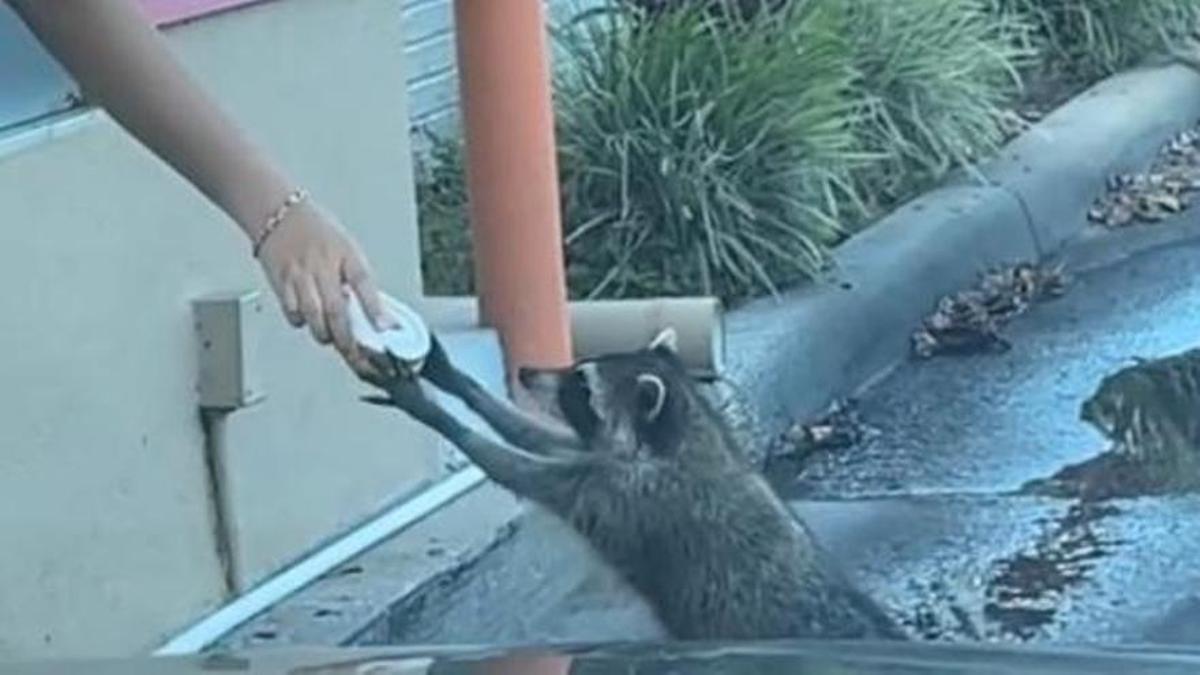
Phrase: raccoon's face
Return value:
(622, 403)
(1106, 409)
(1101, 411)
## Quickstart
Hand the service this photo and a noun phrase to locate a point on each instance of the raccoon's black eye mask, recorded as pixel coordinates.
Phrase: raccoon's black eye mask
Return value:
(575, 401)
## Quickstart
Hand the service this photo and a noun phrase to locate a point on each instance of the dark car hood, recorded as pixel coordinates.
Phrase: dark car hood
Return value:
(832, 658)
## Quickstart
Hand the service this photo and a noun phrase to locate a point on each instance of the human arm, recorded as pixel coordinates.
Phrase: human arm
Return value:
(123, 64)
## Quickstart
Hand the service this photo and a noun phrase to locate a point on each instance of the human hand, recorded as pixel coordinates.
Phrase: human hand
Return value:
(312, 265)
(125, 65)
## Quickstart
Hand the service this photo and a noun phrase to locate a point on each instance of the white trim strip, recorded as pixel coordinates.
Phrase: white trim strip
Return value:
(283, 584)
(34, 132)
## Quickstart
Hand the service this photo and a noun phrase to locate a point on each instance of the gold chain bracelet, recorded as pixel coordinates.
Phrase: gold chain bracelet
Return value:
(298, 195)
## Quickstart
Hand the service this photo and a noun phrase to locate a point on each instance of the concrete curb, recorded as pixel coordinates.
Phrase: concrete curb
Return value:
(1061, 165)
(789, 357)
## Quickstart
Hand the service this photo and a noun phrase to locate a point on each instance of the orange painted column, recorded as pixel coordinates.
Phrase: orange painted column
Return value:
(512, 177)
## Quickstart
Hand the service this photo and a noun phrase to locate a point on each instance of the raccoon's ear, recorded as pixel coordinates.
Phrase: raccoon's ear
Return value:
(652, 396)
(666, 339)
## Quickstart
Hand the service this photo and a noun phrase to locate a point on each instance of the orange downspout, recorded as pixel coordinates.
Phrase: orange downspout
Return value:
(512, 178)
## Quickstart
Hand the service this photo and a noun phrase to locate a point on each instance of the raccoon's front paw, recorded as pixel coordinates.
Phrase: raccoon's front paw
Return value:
(381, 368)
(392, 376)
(437, 367)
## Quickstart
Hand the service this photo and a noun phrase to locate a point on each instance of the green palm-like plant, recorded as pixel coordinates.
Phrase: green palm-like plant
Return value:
(1091, 39)
(935, 77)
(703, 154)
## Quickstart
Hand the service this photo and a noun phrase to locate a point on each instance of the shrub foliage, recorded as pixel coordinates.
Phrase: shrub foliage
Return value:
(724, 146)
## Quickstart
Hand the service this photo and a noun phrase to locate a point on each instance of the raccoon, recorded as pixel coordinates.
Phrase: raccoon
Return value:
(646, 471)
(1151, 410)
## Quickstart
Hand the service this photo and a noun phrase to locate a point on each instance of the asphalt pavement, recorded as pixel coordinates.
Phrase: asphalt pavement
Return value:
(924, 513)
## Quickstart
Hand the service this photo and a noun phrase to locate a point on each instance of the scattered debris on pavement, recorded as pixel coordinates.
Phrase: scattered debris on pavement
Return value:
(1027, 589)
(1150, 197)
(841, 426)
(1016, 121)
(969, 322)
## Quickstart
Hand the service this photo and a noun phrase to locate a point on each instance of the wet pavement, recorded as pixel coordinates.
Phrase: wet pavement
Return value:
(989, 423)
(924, 512)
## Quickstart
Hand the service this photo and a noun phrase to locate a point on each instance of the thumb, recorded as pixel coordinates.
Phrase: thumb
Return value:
(364, 288)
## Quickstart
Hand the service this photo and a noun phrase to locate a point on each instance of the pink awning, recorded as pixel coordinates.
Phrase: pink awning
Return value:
(163, 12)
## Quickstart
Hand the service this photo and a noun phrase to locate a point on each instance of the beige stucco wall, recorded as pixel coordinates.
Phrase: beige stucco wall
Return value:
(106, 543)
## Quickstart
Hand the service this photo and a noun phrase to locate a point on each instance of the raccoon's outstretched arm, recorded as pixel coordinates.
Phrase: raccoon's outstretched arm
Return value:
(510, 422)
(545, 479)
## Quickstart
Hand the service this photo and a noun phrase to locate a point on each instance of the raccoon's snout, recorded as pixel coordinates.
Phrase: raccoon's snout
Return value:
(1092, 413)
(542, 385)
(526, 376)
(534, 379)
(1087, 411)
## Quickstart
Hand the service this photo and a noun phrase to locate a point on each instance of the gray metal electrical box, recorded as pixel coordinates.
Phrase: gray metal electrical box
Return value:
(228, 333)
